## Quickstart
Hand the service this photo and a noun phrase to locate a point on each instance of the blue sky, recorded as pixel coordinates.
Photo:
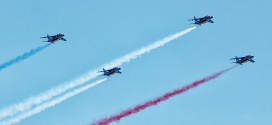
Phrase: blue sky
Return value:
(101, 31)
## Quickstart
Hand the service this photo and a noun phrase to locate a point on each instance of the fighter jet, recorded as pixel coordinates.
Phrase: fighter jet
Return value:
(241, 60)
(112, 71)
(202, 20)
(55, 38)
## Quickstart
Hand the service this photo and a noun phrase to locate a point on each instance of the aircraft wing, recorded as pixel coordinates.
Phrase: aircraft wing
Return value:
(251, 60)
(211, 21)
(63, 39)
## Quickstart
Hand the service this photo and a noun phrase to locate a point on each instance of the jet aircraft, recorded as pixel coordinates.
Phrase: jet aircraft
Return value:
(241, 60)
(55, 38)
(112, 71)
(202, 20)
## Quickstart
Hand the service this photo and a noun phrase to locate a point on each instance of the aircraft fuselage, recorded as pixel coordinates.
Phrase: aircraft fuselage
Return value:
(243, 61)
(202, 21)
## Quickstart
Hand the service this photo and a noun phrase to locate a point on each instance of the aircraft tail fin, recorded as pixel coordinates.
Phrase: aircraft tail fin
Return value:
(103, 70)
(194, 19)
(236, 58)
(47, 36)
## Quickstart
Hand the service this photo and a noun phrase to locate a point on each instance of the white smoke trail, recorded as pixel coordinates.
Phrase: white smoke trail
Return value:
(32, 101)
(133, 55)
(40, 108)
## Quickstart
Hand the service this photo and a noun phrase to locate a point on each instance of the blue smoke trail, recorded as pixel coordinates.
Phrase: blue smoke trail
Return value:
(23, 57)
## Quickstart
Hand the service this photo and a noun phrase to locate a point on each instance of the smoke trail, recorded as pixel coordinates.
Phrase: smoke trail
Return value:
(133, 55)
(28, 103)
(49, 104)
(23, 57)
(156, 101)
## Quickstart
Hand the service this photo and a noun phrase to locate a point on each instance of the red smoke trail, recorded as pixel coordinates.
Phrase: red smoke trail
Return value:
(155, 101)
